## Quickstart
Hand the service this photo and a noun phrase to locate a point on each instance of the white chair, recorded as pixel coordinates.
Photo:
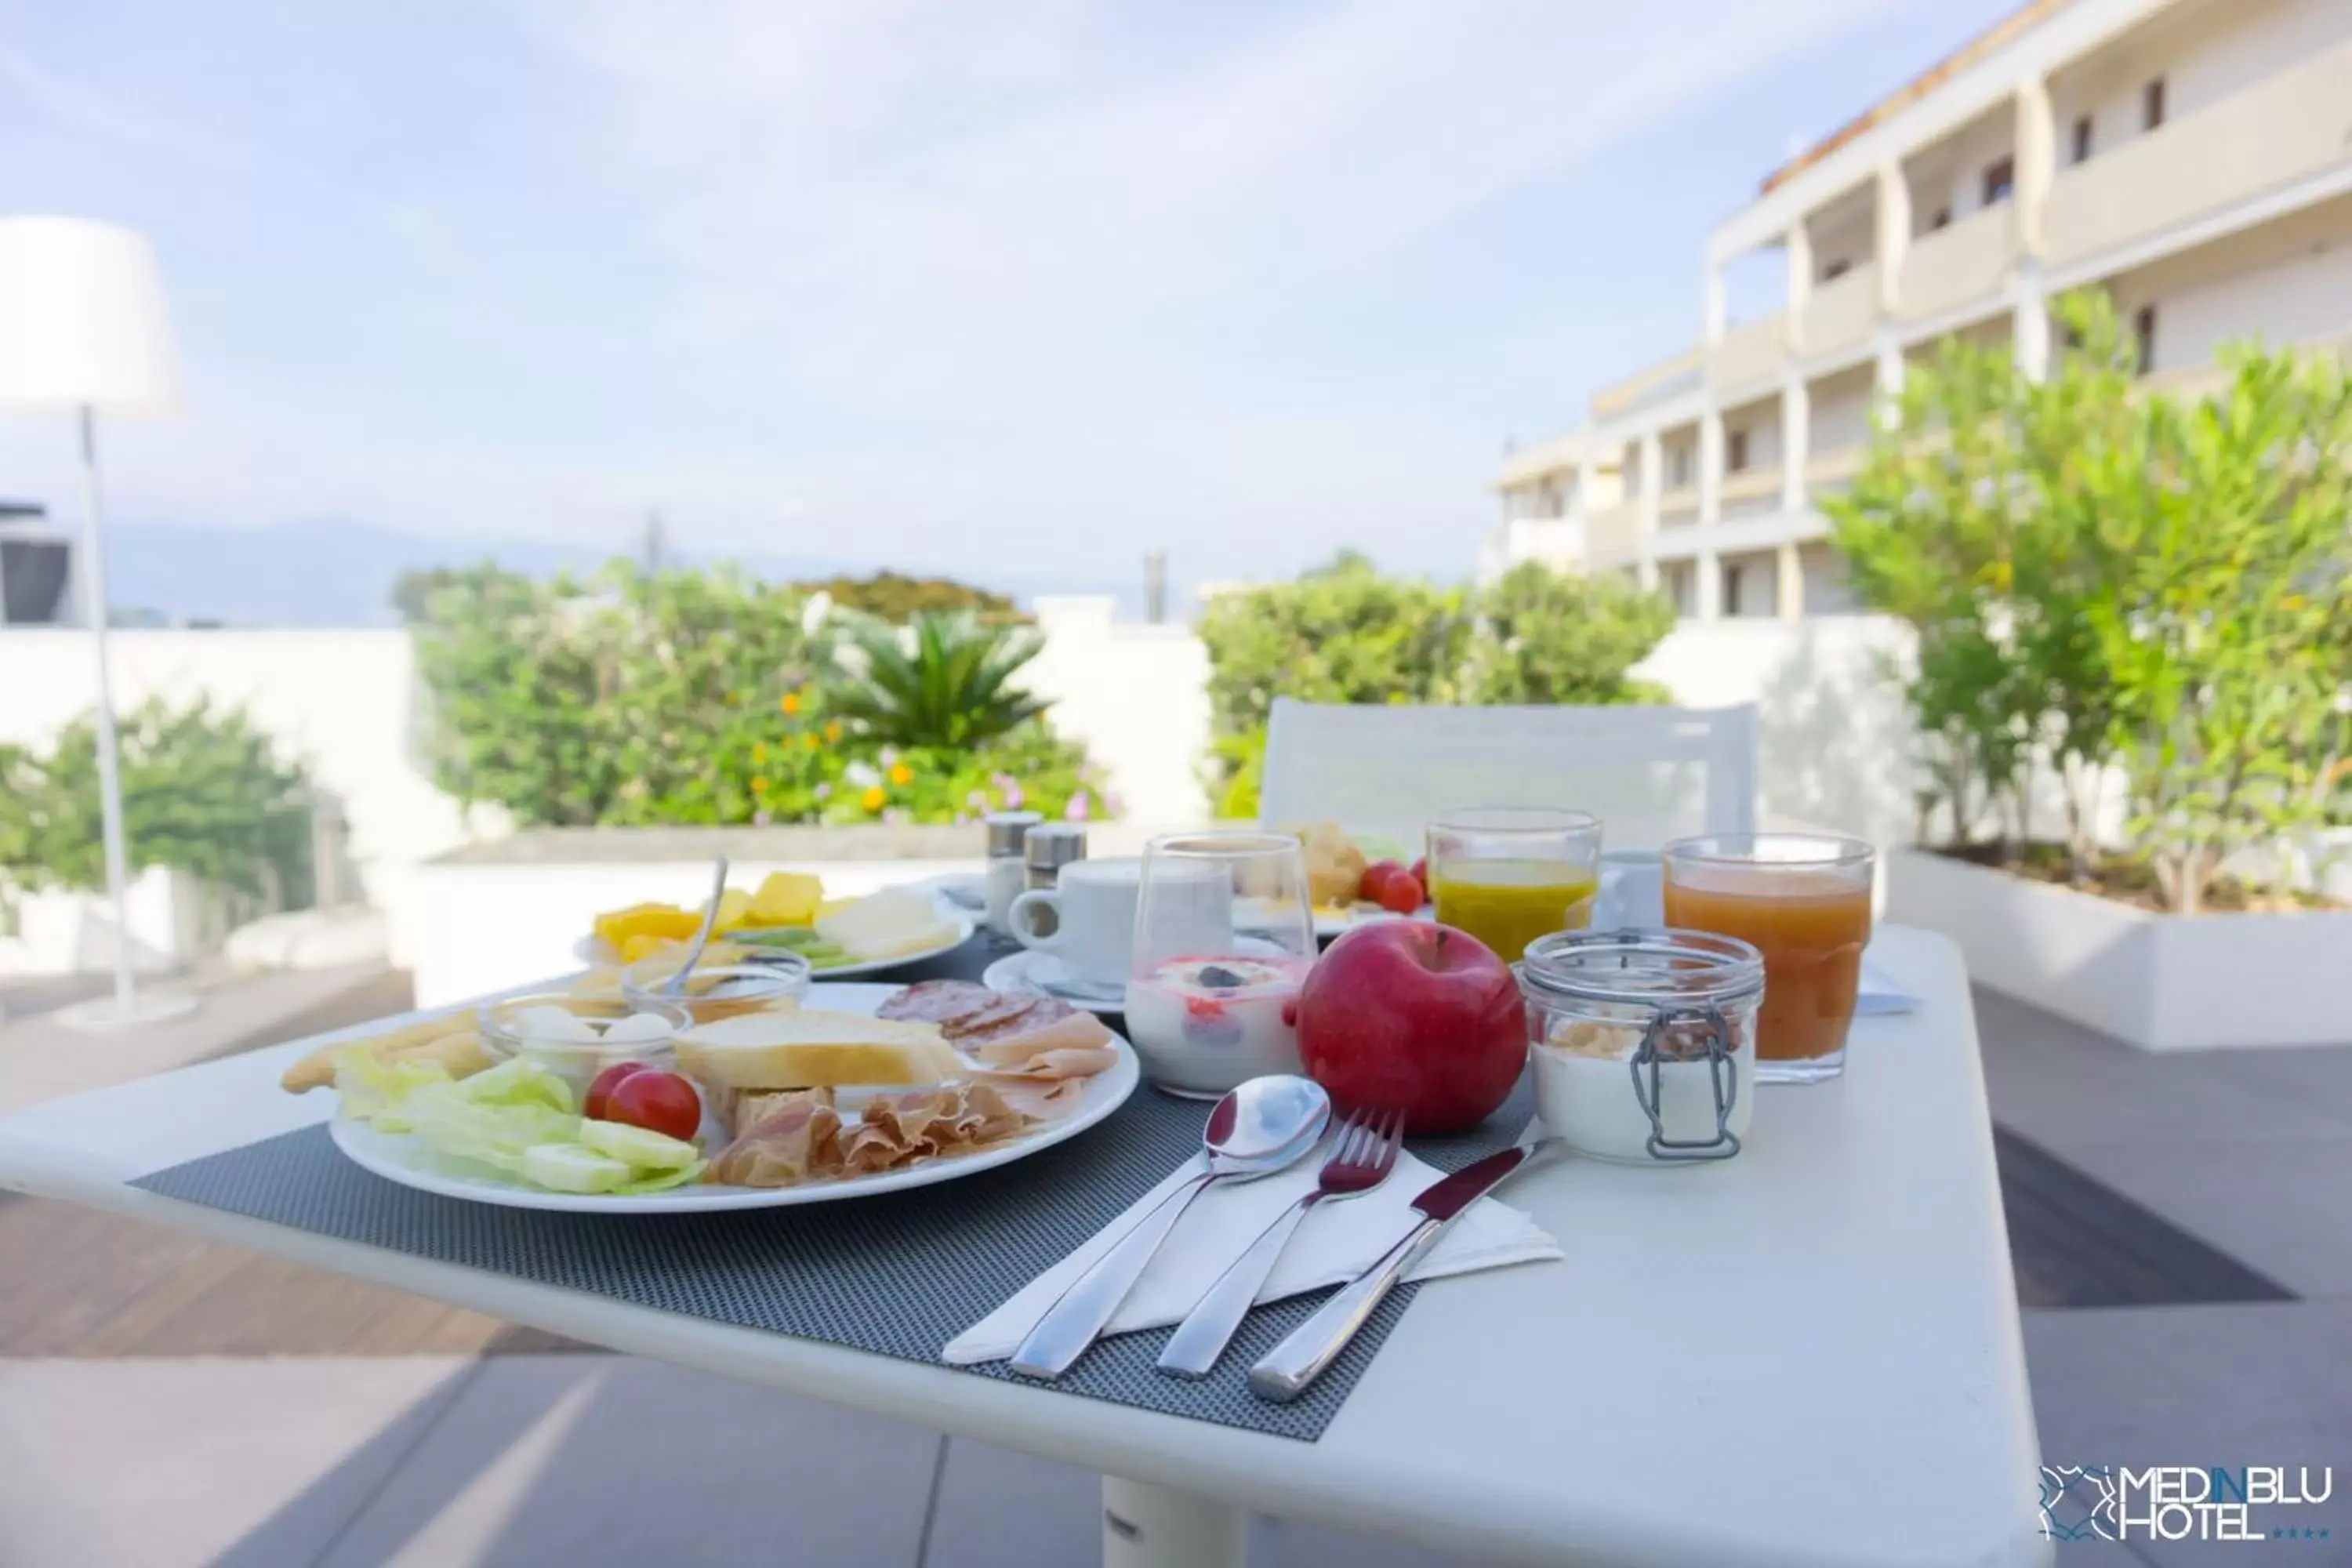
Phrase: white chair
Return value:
(1649, 773)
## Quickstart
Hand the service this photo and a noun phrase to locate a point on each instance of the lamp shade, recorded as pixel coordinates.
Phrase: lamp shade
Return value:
(82, 319)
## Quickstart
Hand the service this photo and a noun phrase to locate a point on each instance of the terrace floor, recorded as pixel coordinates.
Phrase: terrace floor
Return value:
(2182, 1229)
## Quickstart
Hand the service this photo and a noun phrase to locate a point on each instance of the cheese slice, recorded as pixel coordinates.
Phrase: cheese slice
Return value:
(811, 1047)
(886, 924)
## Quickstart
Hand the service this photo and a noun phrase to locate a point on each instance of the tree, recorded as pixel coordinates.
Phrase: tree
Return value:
(1342, 633)
(894, 598)
(2230, 635)
(1966, 522)
(204, 792)
(1545, 636)
(2108, 579)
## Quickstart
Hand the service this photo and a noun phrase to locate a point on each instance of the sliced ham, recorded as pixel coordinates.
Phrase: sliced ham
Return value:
(1073, 1045)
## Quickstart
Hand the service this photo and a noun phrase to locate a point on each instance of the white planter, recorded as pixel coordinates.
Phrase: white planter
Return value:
(2163, 983)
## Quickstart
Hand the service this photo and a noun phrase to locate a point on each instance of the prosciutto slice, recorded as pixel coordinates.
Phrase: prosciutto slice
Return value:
(786, 1139)
(926, 1124)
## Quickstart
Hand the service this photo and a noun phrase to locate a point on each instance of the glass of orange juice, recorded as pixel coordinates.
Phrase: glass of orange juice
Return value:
(1801, 898)
(1508, 875)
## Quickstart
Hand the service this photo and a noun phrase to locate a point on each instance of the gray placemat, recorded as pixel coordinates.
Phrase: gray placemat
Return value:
(899, 1274)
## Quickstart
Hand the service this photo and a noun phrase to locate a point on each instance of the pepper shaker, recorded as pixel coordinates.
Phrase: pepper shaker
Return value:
(1048, 849)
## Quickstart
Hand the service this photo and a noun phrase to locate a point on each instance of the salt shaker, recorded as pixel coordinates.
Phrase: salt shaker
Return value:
(1008, 832)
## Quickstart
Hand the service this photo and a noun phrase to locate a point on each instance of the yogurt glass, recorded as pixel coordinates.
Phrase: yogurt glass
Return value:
(1223, 940)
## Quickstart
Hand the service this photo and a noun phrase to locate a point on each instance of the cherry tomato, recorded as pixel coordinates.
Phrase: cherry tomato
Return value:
(1421, 872)
(1367, 886)
(1401, 892)
(657, 1100)
(599, 1088)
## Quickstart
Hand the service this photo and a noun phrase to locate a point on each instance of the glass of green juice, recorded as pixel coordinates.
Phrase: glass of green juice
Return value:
(1507, 875)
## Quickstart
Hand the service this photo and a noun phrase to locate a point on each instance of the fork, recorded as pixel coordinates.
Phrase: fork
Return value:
(1361, 1160)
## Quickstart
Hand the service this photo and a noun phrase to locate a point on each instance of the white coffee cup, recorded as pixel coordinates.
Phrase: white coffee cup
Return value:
(1094, 918)
(1632, 890)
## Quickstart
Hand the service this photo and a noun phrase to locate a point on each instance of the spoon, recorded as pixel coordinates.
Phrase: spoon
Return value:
(1258, 1128)
(676, 986)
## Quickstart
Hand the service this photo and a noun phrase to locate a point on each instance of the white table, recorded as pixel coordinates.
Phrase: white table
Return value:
(1808, 1356)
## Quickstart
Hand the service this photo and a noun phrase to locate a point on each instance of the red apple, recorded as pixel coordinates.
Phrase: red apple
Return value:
(1416, 1016)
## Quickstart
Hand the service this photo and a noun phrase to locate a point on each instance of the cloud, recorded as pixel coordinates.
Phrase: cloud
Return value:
(928, 206)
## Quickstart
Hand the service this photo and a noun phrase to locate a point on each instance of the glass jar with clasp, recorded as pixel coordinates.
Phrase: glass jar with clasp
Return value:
(1643, 1041)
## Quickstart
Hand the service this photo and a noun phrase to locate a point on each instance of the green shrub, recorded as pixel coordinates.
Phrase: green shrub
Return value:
(1549, 636)
(2102, 579)
(946, 681)
(1344, 633)
(613, 699)
(202, 792)
(632, 699)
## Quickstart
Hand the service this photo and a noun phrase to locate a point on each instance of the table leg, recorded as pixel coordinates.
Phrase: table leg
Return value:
(1154, 1527)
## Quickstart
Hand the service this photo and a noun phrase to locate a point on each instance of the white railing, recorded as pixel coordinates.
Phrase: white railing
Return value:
(1958, 263)
(2282, 129)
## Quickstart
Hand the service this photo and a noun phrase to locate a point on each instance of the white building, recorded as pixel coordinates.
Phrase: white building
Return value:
(2192, 156)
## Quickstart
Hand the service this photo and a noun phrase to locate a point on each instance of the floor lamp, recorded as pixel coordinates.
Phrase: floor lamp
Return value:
(83, 331)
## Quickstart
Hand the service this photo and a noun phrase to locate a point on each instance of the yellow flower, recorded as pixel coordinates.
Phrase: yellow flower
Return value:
(808, 742)
(759, 784)
(900, 773)
(759, 750)
(873, 798)
(833, 731)
(791, 702)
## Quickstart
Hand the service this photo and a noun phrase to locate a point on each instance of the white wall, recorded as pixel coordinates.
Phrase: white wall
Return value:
(1839, 414)
(1761, 421)
(1137, 695)
(2285, 283)
(342, 701)
(1834, 740)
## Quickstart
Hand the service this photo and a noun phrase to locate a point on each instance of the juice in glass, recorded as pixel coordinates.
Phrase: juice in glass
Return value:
(1507, 876)
(1805, 902)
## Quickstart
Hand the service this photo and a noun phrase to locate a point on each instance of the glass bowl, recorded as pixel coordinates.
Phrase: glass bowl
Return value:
(716, 991)
(507, 1031)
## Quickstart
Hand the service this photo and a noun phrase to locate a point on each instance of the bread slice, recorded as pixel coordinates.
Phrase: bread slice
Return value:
(812, 1048)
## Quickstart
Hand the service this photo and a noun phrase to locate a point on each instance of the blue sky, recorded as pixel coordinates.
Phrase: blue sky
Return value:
(913, 282)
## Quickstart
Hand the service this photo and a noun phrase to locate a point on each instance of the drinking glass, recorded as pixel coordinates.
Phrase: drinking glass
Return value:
(1222, 942)
(1803, 899)
(1508, 875)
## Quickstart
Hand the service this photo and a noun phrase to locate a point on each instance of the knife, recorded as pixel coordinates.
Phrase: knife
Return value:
(1315, 1344)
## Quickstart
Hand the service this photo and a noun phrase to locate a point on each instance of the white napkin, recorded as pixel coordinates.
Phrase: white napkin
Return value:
(1340, 1238)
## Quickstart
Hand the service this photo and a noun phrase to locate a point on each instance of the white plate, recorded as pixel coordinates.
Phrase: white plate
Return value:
(399, 1157)
(1328, 922)
(1043, 973)
(594, 951)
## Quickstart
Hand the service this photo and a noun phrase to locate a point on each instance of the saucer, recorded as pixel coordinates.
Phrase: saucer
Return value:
(1029, 970)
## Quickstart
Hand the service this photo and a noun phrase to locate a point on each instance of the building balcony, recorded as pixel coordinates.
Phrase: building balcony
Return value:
(1834, 468)
(1952, 266)
(1667, 378)
(1838, 314)
(1614, 534)
(1751, 353)
(1751, 491)
(2287, 128)
(1678, 507)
